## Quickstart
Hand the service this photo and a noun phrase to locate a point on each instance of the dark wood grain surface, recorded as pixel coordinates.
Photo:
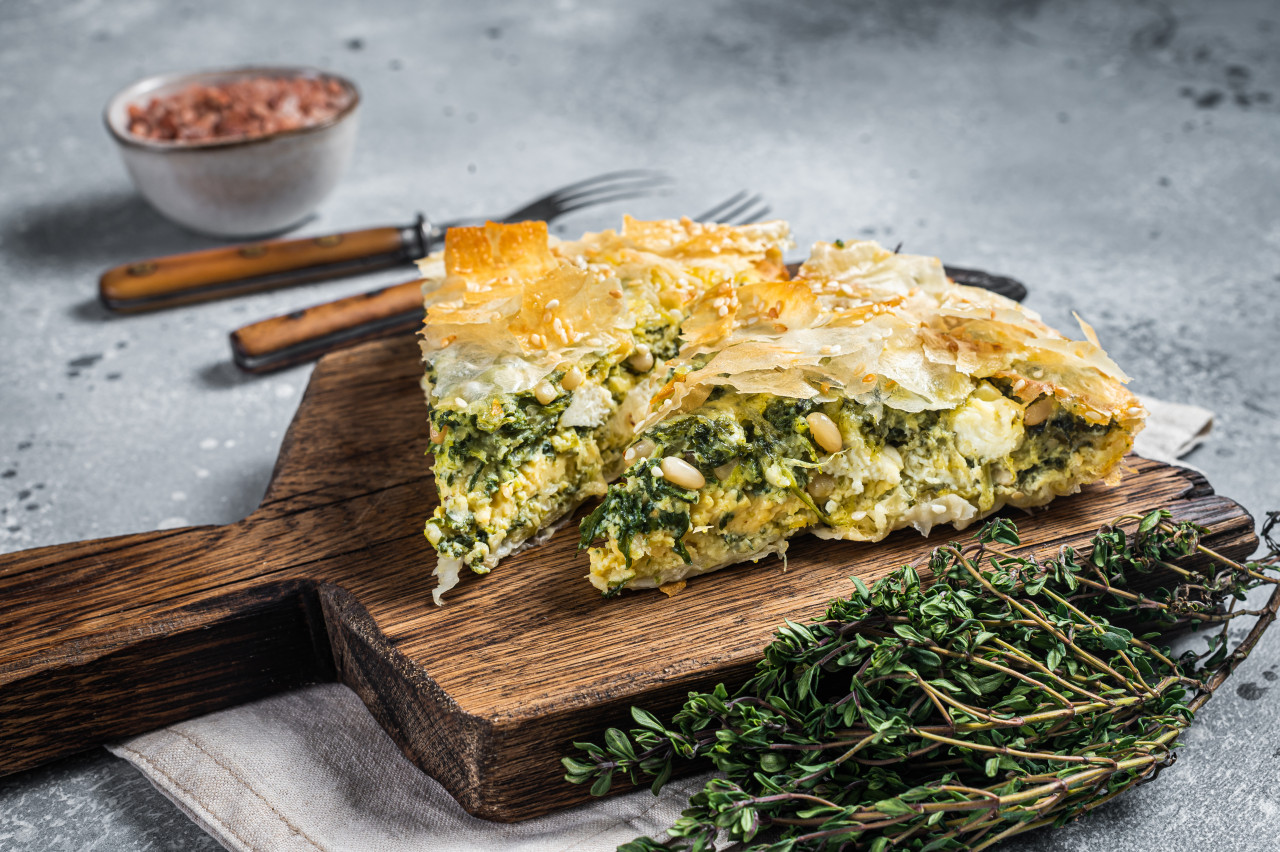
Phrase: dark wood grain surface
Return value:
(331, 578)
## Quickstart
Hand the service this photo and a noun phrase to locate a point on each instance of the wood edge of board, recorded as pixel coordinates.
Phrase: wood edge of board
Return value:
(488, 764)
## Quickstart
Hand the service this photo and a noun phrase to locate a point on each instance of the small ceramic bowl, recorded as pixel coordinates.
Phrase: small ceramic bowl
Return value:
(235, 187)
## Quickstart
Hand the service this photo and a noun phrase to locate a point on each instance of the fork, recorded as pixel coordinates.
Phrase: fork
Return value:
(305, 335)
(234, 270)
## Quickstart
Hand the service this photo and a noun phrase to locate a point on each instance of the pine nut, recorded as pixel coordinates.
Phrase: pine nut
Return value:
(642, 360)
(642, 449)
(821, 486)
(1038, 411)
(438, 435)
(682, 474)
(545, 392)
(726, 470)
(825, 432)
(572, 379)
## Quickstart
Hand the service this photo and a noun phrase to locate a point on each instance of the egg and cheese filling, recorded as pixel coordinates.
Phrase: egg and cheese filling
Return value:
(509, 467)
(734, 479)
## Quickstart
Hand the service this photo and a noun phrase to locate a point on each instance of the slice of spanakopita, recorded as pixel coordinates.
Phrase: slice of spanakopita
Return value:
(541, 357)
(868, 394)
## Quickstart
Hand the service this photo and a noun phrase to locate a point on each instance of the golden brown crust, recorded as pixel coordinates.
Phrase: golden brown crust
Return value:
(514, 303)
(887, 328)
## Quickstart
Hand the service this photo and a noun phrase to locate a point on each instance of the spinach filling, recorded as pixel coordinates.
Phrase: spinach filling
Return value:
(479, 448)
(481, 451)
(1050, 445)
(760, 432)
(648, 504)
(755, 436)
(662, 338)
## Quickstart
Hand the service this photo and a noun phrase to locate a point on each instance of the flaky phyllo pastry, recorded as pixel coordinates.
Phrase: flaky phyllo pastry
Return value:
(542, 357)
(868, 394)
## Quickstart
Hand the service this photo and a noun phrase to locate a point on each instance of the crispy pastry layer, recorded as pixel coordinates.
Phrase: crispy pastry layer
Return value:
(988, 406)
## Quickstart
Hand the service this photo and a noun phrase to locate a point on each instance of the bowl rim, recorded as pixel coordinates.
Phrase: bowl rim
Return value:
(138, 90)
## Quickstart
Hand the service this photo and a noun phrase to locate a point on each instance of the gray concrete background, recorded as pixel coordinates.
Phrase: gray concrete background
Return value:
(1123, 160)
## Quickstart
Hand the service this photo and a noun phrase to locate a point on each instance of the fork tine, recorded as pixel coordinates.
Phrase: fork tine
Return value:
(587, 192)
(712, 214)
(621, 195)
(567, 194)
(621, 174)
(754, 215)
(739, 209)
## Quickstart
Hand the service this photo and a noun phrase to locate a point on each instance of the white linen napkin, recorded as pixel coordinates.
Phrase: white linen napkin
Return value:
(311, 770)
(1173, 429)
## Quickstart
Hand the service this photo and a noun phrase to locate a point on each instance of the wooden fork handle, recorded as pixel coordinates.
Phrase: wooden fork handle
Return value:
(217, 273)
(304, 335)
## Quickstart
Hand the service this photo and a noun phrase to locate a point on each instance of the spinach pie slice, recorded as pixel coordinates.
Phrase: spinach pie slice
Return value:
(541, 357)
(868, 394)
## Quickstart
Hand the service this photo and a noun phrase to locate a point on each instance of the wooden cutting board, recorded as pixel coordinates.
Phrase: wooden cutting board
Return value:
(330, 578)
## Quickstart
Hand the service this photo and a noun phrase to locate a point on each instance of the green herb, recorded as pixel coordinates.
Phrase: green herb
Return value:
(1000, 698)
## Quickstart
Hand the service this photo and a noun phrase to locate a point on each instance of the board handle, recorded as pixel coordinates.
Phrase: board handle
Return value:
(305, 335)
(109, 638)
(217, 273)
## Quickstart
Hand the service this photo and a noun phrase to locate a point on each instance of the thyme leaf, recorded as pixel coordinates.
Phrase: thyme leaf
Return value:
(1001, 697)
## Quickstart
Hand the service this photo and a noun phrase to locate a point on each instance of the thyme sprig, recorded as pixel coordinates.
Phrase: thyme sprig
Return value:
(1011, 693)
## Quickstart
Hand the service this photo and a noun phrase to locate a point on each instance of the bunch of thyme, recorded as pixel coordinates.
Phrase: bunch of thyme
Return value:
(1000, 698)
